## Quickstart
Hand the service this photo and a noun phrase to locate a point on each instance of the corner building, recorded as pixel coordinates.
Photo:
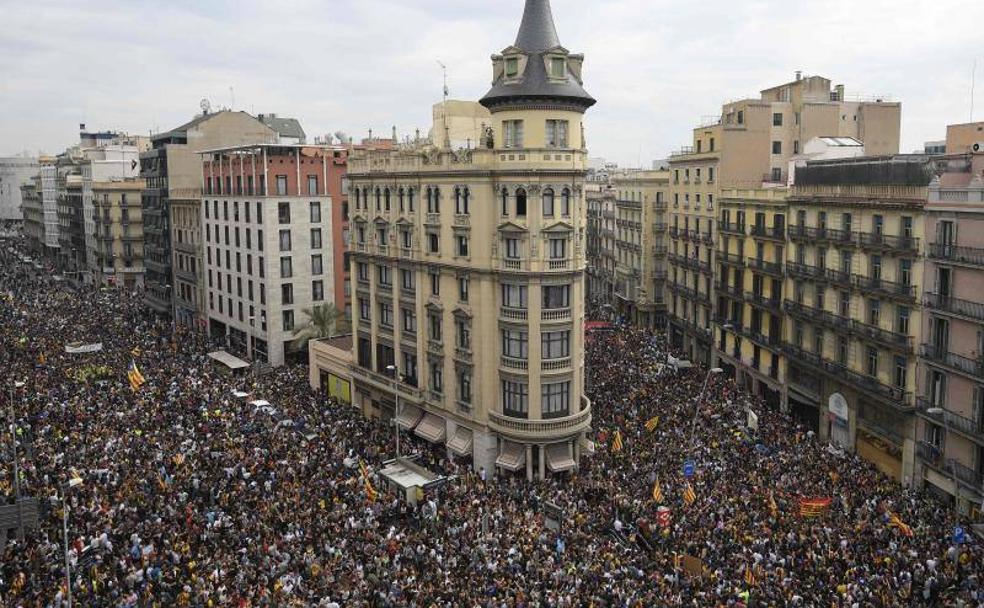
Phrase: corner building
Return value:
(469, 269)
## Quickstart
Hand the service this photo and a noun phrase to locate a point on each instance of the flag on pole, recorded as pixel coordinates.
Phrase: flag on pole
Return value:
(134, 376)
(371, 492)
(750, 577)
(652, 423)
(617, 442)
(689, 496)
(657, 492)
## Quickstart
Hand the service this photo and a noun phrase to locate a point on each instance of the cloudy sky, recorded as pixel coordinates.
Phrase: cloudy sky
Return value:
(656, 66)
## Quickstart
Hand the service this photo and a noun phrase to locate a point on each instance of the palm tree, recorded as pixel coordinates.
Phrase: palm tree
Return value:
(323, 322)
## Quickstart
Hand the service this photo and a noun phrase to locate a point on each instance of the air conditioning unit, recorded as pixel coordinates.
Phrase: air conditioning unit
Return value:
(978, 146)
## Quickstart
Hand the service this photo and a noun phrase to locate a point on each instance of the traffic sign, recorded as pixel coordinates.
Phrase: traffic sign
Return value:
(688, 468)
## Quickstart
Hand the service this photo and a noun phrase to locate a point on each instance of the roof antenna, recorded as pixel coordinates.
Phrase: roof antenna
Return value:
(444, 106)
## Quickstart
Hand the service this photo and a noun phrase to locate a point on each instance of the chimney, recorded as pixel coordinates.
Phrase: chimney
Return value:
(799, 75)
(840, 92)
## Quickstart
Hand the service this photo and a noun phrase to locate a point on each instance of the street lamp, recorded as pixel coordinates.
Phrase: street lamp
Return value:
(396, 391)
(72, 483)
(938, 411)
(700, 399)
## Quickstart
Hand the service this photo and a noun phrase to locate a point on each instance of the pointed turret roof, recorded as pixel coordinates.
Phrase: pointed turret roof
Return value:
(537, 32)
(538, 36)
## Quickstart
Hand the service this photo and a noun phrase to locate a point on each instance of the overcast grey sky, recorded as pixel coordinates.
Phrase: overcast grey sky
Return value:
(656, 67)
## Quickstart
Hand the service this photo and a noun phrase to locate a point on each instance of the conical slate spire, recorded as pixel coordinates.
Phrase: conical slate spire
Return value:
(537, 32)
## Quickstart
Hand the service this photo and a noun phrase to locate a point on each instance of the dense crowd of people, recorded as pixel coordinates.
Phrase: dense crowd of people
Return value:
(192, 497)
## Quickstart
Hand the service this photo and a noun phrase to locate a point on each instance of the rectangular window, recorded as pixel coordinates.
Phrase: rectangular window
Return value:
(287, 294)
(386, 314)
(435, 331)
(556, 296)
(558, 249)
(316, 238)
(259, 212)
(313, 191)
(286, 268)
(777, 147)
(436, 376)
(905, 272)
(515, 399)
(362, 271)
(435, 282)
(383, 273)
(514, 296)
(433, 243)
(461, 245)
(315, 209)
(512, 249)
(777, 119)
(557, 133)
(365, 311)
(317, 291)
(515, 344)
(556, 400)
(285, 240)
(463, 289)
(282, 185)
(464, 386)
(556, 344)
(408, 280)
(406, 239)
(902, 314)
(409, 320)
(317, 266)
(463, 334)
(512, 67)
(874, 312)
(283, 213)
(513, 133)
(288, 318)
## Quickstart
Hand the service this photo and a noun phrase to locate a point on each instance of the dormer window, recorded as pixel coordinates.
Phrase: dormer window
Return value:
(558, 67)
(512, 67)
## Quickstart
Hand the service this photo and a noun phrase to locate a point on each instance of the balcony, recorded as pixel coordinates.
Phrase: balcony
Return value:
(958, 363)
(730, 228)
(972, 429)
(772, 268)
(811, 234)
(559, 264)
(969, 256)
(805, 271)
(776, 233)
(555, 314)
(463, 354)
(733, 291)
(769, 304)
(432, 219)
(898, 398)
(513, 264)
(512, 314)
(659, 250)
(674, 232)
(435, 347)
(891, 339)
(887, 242)
(730, 259)
(955, 306)
(707, 238)
(556, 365)
(659, 227)
(542, 430)
(514, 364)
(889, 289)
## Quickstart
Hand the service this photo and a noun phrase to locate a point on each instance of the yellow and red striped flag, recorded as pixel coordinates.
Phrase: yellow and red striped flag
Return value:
(894, 521)
(617, 442)
(773, 507)
(750, 577)
(371, 492)
(657, 492)
(814, 507)
(652, 423)
(689, 496)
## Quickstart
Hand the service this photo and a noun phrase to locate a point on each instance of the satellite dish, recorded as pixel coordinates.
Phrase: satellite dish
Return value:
(205, 106)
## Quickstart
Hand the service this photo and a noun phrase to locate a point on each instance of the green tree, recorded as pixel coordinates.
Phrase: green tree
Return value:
(324, 321)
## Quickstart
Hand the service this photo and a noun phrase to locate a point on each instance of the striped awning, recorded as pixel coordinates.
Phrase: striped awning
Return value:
(461, 442)
(432, 428)
(559, 457)
(512, 456)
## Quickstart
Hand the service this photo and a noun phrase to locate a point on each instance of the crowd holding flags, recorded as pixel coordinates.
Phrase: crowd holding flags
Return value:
(750, 579)
(894, 521)
(371, 492)
(657, 492)
(773, 507)
(134, 376)
(814, 507)
(689, 496)
(617, 442)
(652, 423)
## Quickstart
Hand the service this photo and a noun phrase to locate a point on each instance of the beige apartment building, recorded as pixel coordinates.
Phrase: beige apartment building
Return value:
(600, 235)
(950, 433)
(469, 272)
(749, 146)
(118, 227)
(749, 287)
(640, 246)
(854, 316)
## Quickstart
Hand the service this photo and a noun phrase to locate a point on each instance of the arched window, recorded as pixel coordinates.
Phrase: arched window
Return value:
(565, 202)
(400, 196)
(433, 200)
(358, 199)
(505, 201)
(410, 199)
(520, 202)
(386, 199)
(548, 202)
(377, 199)
(465, 195)
(365, 198)
(457, 200)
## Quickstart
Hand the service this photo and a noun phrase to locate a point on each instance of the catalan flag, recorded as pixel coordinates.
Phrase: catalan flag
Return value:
(134, 376)
(657, 492)
(894, 521)
(750, 577)
(689, 496)
(773, 507)
(617, 442)
(652, 423)
(371, 492)
(814, 507)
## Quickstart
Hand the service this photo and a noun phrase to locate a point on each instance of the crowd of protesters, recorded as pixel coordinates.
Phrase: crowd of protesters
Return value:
(191, 496)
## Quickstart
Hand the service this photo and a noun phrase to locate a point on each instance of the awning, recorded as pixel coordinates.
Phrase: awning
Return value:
(559, 457)
(461, 442)
(409, 415)
(228, 360)
(432, 428)
(512, 456)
